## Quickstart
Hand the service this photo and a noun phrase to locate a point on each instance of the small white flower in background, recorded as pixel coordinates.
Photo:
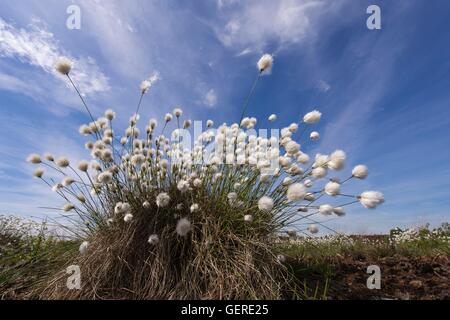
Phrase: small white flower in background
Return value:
(162, 200)
(38, 173)
(68, 207)
(197, 182)
(296, 192)
(153, 239)
(146, 205)
(187, 124)
(81, 198)
(83, 247)
(183, 227)
(273, 117)
(183, 186)
(209, 123)
(371, 199)
(319, 172)
(303, 158)
(337, 160)
(313, 228)
(63, 66)
(281, 258)
(248, 218)
(292, 147)
(49, 157)
(128, 217)
(194, 208)
(34, 158)
(332, 188)
(265, 204)
(67, 181)
(232, 197)
(145, 86)
(177, 112)
(118, 208)
(63, 162)
(168, 117)
(287, 181)
(339, 211)
(312, 117)
(360, 172)
(56, 187)
(110, 114)
(293, 127)
(105, 177)
(326, 209)
(265, 62)
(84, 130)
(314, 136)
(308, 183)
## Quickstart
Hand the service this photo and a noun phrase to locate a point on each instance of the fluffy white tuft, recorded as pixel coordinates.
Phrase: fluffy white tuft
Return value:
(296, 192)
(183, 227)
(371, 199)
(265, 62)
(162, 200)
(312, 117)
(265, 204)
(153, 239)
(313, 228)
(360, 172)
(326, 209)
(34, 158)
(63, 66)
(84, 247)
(128, 217)
(332, 188)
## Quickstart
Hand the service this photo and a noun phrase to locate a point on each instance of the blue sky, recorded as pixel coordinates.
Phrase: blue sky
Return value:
(384, 93)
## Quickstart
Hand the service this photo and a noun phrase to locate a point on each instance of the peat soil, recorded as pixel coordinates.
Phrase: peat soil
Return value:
(402, 278)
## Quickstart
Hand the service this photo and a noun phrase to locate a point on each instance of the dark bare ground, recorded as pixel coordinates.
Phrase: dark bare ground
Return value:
(403, 278)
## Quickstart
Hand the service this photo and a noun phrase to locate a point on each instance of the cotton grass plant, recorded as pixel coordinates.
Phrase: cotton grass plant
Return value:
(158, 220)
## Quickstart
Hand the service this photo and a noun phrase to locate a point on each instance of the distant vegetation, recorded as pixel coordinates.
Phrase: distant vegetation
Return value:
(30, 256)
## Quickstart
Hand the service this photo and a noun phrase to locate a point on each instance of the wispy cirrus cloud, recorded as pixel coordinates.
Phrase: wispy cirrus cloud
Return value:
(38, 47)
(253, 25)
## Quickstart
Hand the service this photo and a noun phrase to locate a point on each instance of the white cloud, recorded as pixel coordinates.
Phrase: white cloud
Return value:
(38, 47)
(244, 52)
(323, 86)
(210, 98)
(256, 24)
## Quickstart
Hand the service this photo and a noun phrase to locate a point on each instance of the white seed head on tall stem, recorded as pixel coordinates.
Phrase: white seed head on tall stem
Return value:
(371, 199)
(183, 227)
(296, 192)
(84, 247)
(34, 158)
(63, 65)
(360, 172)
(38, 173)
(63, 162)
(265, 204)
(312, 117)
(265, 62)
